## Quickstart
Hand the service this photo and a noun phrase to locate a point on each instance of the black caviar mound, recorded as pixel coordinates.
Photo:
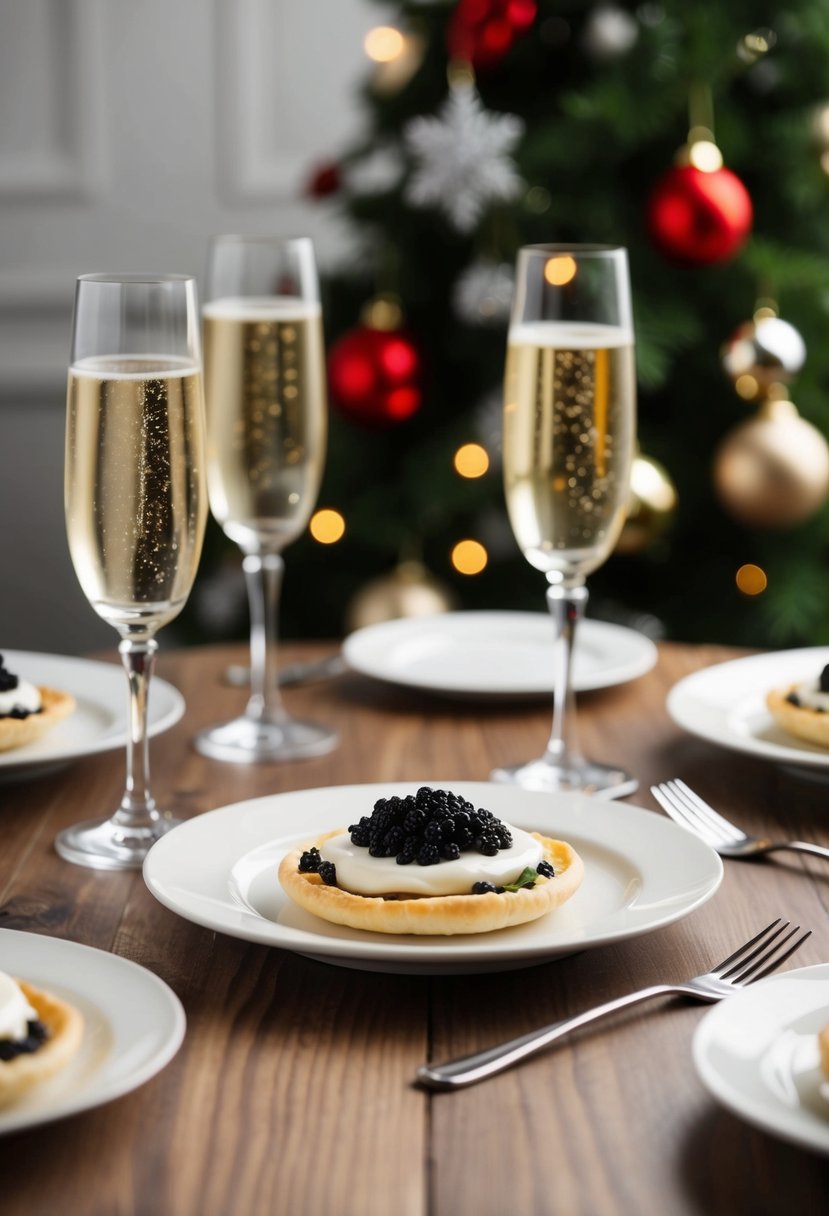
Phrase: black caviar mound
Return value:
(8, 683)
(823, 686)
(36, 1036)
(428, 827)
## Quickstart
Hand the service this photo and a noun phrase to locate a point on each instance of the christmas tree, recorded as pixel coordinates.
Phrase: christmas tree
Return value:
(697, 135)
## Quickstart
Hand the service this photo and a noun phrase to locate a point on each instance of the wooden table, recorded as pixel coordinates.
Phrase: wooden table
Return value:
(293, 1093)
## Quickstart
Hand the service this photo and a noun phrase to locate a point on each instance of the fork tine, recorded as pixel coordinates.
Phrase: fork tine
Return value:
(773, 958)
(738, 956)
(709, 814)
(670, 803)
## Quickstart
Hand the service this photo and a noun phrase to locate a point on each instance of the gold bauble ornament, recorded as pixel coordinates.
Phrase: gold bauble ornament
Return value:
(773, 470)
(409, 590)
(763, 352)
(651, 505)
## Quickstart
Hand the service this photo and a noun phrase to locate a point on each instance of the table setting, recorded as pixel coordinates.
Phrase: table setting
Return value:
(290, 1025)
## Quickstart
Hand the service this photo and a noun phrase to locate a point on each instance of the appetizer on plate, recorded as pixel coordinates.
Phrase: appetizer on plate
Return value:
(39, 1035)
(803, 709)
(431, 863)
(28, 711)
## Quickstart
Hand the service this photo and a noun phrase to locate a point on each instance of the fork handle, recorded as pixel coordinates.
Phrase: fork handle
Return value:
(803, 846)
(469, 1069)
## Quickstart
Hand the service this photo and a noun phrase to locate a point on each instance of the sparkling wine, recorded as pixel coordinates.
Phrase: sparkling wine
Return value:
(135, 510)
(266, 416)
(569, 431)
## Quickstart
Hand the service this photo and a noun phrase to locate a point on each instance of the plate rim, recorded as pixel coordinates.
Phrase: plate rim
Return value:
(354, 644)
(94, 1093)
(795, 755)
(730, 1095)
(463, 952)
(108, 742)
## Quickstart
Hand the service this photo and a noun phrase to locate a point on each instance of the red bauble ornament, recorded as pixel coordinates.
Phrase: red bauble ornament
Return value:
(324, 181)
(482, 31)
(699, 218)
(374, 375)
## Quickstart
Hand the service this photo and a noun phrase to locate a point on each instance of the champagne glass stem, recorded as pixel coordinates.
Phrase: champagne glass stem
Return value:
(137, 809)
(566, 602)
(263, 575)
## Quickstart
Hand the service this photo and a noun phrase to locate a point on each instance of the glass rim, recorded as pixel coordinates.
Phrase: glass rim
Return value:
(253, 238)
(572, 247)
(135, 277)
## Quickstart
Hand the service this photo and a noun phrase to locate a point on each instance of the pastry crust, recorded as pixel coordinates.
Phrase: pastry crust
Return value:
(17, 732)
(802, 722)
(435, 914)
(65, 1026)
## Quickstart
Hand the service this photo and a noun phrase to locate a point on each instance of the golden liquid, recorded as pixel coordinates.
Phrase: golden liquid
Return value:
(266, 417)
(134, 485)
(569, 432)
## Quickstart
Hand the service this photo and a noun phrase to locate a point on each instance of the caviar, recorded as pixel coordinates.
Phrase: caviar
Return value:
(429, 827)
(311, 862)
(35, 1037)
(8, 683)
(545, 869)
(483, 888)
(328, 873)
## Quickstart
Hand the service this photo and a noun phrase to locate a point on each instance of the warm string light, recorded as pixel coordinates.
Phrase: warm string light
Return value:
(560, 269)
(751, 580)
(469, 557)
(384, 44)
(327, 526)
(471, 460)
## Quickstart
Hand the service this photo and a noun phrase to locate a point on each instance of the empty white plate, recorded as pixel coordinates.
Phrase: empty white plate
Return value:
(494, 654)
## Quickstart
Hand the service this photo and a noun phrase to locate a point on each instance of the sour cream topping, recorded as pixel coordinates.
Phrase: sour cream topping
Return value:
(364, 875)
(25, 696)
(15, 1010)
(810, 697)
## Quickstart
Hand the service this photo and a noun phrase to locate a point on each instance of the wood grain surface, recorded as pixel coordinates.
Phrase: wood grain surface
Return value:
(293, 1092)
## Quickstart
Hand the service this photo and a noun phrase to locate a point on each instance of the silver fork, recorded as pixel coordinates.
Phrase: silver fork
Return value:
(688, 809)
(754, 959)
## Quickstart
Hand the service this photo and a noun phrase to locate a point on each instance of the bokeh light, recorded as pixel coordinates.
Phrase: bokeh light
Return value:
(384, 43)
(469, 557)
(751, 580)
(471, 460)
(327, 526)
(560, 270)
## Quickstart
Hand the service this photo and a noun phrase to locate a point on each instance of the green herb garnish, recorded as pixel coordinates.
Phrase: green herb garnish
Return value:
(526, 878)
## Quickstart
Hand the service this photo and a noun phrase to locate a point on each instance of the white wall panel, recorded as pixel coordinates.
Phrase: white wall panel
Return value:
(130, 131)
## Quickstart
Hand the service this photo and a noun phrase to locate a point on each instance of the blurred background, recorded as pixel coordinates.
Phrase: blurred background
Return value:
(420, 144)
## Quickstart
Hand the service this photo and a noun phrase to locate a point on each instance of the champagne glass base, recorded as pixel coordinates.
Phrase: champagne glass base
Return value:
(247, 741)
(585, 777)
(104, 844)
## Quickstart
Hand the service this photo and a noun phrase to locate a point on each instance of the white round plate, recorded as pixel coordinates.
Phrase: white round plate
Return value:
(641, 872)
(494, 654)
(757, 1053)
(99, 722)
(133, 1024)
(726, 704)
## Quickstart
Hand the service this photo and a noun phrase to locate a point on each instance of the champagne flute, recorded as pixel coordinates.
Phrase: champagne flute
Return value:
(569, 434)
(136, 504)
(266, 436)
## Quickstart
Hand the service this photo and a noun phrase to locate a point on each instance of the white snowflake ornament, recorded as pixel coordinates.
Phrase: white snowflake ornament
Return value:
(483, 293)
(462, 158)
